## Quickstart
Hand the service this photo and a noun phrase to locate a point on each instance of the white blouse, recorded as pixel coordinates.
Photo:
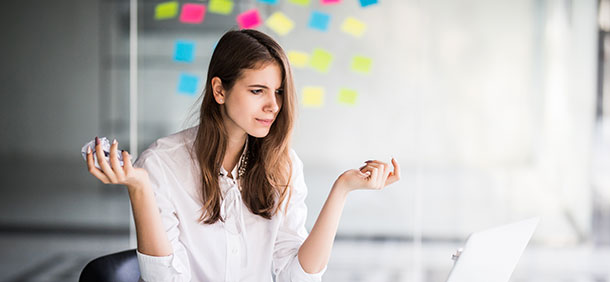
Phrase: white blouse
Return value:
(246, 247)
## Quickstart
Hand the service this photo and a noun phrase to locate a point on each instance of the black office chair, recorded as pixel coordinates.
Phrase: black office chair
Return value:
(118, 267)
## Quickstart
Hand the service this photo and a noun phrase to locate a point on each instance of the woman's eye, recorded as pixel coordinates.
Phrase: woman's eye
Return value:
(279, 91)
(256, 91)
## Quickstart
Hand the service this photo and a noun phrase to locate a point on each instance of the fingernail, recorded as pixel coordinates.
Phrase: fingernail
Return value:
(88, 150)
(114, 141)
(97, 140)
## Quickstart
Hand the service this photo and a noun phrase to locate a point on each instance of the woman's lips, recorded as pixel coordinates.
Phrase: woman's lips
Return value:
(265, 122)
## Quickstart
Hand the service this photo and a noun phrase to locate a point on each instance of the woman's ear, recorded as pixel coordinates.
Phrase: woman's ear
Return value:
(218, 90)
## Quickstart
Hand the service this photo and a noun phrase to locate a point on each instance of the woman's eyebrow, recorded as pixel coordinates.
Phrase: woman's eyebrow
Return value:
(258, 85)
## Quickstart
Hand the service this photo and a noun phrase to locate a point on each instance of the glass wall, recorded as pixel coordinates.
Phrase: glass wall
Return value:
(490, 107)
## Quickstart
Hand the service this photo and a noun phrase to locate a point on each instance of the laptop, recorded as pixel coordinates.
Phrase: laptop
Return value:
(492, 255)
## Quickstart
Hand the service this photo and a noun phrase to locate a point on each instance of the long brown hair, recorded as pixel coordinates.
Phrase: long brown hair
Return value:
(266, 181)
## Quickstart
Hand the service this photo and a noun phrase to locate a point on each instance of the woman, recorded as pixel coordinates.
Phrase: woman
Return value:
(224, 200)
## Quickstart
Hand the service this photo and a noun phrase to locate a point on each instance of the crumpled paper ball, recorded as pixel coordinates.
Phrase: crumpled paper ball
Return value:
(105, 143)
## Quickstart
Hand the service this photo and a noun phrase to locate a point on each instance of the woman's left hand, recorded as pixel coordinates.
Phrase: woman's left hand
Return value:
(374, 175)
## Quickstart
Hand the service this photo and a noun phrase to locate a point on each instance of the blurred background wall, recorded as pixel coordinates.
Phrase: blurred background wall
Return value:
(496, 110)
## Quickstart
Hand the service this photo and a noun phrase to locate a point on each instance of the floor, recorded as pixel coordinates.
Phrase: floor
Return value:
(53, 258)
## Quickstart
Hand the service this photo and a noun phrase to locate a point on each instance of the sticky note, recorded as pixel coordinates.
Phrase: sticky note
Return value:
(365, 3)
(328, 2)
(353, 26)
(184, 51)
(223, 7)
(270, 2)
(166, 10)
(361, 64)
(298, 59)
(320, 60)
(348, 96)
(188, 84)
(249, 19)
(313, 96)
(319, 20)
(280, 23)
(192, 13)
(300, 2)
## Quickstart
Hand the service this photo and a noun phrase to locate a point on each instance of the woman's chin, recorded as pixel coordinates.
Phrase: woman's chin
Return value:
(259, 133)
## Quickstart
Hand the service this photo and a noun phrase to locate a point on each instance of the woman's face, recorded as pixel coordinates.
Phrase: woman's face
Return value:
(252, 104)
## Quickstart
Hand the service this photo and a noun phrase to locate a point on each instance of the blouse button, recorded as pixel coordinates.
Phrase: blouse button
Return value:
(234, 250)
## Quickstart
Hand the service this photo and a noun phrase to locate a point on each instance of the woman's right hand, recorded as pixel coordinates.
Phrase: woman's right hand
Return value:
(373, 175)
(114, 173)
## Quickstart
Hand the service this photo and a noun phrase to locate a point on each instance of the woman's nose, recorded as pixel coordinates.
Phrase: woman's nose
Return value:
(272, 104)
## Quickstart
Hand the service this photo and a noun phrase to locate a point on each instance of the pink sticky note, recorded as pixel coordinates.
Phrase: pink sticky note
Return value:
(249, 19)
(192, 13)
(328, 2)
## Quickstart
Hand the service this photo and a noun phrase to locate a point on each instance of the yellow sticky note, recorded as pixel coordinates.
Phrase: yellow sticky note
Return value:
(361, 64)
(348, 96)
(280, 23)
(223, 7)
(298, 59)
(320, 60)
(313, 97)
(353, 26)
(166, 10)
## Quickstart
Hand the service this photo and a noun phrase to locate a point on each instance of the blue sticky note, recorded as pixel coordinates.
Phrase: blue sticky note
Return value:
(270, 2)
(319, 20)
(365, 3)
(188, 84)
(184, 51)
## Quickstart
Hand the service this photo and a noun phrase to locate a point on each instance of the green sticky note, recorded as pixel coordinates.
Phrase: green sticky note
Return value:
(313, 97)
(166, 10)
(320, 60)
(300, 2)
(348, 96)
(361, 64)
(223, 7)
